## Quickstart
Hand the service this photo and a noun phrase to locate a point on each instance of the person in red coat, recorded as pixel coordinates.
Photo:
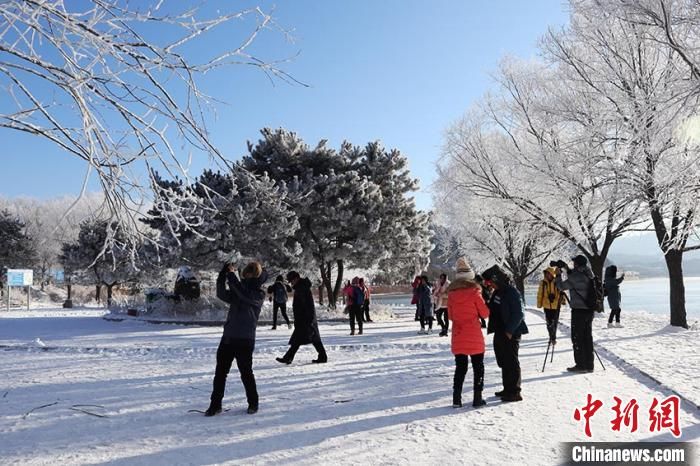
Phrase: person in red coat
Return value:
(465, 308)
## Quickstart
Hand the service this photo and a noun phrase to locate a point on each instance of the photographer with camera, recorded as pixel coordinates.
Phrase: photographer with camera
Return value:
(246, 298)
(550, 299)
(581, 283)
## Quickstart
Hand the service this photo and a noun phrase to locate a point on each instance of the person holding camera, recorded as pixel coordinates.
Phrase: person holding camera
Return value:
(246, 298)
(507, 323)
(550, 299)
(581, 283)
(611, 285)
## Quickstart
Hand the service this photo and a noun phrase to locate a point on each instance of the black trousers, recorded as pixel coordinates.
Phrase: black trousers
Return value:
(461, 367)
(242, 352)
(281, 307)
(552, 318)
(582, 337)
(506, 351)
(443, 319)
(615, 313)
(426, 320)
(365, 308)
(292, 351)
(355, 315)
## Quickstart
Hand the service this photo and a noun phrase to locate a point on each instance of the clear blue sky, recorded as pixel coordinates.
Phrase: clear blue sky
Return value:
(396, 70)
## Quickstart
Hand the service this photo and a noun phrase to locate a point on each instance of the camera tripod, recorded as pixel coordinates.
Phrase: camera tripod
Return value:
(546, 355)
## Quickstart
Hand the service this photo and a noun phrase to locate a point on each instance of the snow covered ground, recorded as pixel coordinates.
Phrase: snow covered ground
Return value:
(383, 398)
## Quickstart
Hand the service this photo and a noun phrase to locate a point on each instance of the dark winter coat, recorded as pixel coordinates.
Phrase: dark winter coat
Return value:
(578, 281)
(425, 301)
(274, 290)
(612, 287)
(506, 312)
(304, 310)
(246, 299)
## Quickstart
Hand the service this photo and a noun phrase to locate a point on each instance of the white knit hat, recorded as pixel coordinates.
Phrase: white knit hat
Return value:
(464, 270)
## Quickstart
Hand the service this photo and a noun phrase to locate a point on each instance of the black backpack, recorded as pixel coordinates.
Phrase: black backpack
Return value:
(594, 295)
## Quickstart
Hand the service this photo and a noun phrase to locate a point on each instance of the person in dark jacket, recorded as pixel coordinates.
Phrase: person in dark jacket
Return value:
(507, 323)
(611, 285)
(278, 292)
(578, 281)
(357, 297)
(425, 305)
(305, 324)
(238, 341)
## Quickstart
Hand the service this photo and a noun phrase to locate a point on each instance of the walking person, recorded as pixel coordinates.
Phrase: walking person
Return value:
(580, 282)
(425, 306)
(440, 299)
(279, 294)
(466, 307)
(367, 293)
(305, 324)
(246, 298)
(611, 285)
(507, 323)
(550, 299)
(356, 299)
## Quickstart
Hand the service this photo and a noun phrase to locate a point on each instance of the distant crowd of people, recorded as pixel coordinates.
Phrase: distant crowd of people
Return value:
(466, 302)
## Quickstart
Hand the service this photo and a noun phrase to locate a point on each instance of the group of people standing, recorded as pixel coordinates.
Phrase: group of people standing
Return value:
(357, 299)
(583, 301)
(466, 301)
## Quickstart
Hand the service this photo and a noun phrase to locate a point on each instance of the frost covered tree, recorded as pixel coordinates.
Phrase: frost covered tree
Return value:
(640, 83)
(50, 223)
(103, 256)
(226, 216)
(16, 246)
(488, 231)
(117, 84)
(351, 205)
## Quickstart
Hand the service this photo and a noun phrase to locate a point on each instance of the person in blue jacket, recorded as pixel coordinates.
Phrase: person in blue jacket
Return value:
(507, 323)
(246, 298)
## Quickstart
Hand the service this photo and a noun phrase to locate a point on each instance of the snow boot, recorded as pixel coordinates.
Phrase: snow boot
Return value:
(610, 325)
(214, 409)
(575, 369)
(283, 361)
(319, 361)
(252, 409)
(500, 394)
(509, 397)
(478, 400)
(618, 325)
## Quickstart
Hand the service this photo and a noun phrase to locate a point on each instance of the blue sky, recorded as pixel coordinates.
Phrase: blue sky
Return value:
(396, 70)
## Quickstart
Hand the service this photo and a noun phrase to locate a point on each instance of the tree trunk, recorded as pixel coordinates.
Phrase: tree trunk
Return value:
(320, 295)
(98, 292)
(674, 264)
(326, 279)
(109, 295)
(338, 282)
(69, 287)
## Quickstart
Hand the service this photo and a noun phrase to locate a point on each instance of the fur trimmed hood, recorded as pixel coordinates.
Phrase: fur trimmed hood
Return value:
(462, 283)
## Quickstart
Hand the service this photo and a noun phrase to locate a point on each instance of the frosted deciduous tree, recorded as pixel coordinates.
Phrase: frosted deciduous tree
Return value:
(117, 84)
(640, 83)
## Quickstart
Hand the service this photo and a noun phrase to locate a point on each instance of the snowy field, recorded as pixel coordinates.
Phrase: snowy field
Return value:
(383, 398)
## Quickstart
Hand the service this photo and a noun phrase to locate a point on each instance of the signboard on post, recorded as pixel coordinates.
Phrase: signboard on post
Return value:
(20, 277)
